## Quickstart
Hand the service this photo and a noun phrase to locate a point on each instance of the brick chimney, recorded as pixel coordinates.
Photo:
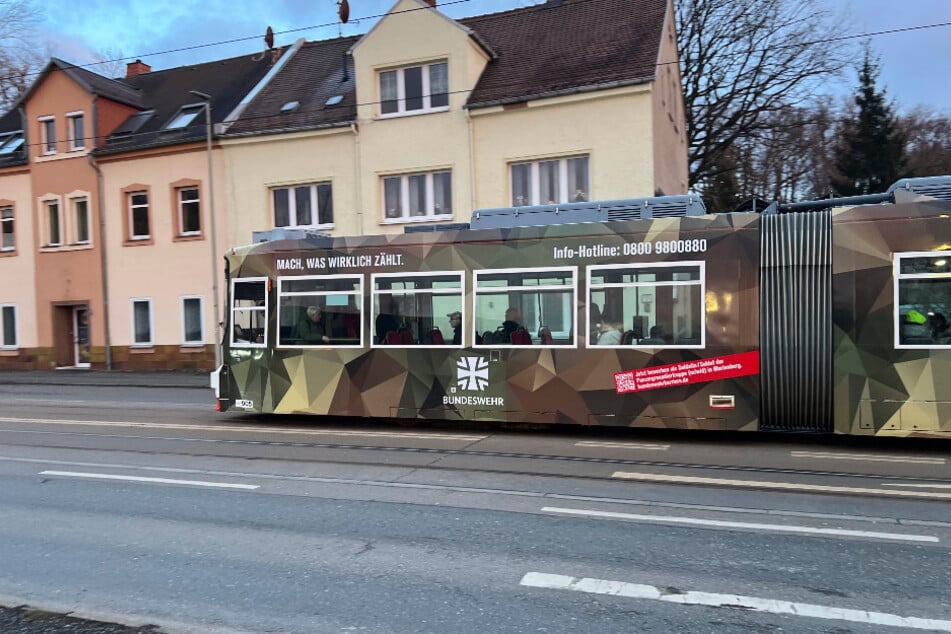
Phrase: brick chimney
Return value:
(431, 3)
(137, 68)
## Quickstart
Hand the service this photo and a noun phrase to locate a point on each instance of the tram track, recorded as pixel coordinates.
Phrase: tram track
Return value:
(489, 461)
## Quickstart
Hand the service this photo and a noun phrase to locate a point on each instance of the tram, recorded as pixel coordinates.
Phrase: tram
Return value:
(827, 317)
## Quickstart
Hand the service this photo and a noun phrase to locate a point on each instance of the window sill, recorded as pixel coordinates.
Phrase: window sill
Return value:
(9, 352)
(192, 348)
(6, 253)
(411, 113)
(188, 238)
(53, 248)
(412, 219)
(138, 242)
(141, 349)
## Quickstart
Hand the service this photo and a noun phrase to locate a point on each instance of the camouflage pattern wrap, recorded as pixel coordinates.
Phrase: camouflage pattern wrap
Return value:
(536, 384)
(878, 388)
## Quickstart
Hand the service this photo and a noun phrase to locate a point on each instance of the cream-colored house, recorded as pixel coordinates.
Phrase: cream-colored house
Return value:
(421, 120)
(425, 119)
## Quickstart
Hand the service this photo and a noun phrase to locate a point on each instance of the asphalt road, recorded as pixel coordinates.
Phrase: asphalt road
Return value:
(141, 505)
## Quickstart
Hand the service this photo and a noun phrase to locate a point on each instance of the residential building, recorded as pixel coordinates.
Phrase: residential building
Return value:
(115, 207)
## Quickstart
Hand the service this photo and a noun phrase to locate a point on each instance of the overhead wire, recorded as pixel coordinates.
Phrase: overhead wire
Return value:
(503, 85)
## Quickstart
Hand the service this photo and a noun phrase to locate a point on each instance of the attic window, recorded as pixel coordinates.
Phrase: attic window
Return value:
(290, 106)
(333, 101)
(133, 123)
(184, 117)
(8, 145)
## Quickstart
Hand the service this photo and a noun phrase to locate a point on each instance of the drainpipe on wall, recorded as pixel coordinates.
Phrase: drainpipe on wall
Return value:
(102, 241)
(358, 181)
(472, 194)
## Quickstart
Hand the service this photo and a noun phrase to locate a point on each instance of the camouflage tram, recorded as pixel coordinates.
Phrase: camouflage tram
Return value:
(825, 317)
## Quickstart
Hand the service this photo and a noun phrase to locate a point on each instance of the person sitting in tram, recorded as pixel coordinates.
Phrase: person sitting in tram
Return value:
(312, 330)
(513, 321)
(455, 321)
(609, 333)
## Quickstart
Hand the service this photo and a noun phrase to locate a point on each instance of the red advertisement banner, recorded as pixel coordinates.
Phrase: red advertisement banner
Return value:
(686, 373)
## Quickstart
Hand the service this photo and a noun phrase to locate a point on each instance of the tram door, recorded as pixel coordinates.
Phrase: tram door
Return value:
(81, 347)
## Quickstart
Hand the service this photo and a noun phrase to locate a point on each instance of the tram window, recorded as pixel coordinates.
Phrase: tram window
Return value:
(525, 307)
(320, 311)
(414, 309)
(650, 306)
(923, 300)
(249, 312)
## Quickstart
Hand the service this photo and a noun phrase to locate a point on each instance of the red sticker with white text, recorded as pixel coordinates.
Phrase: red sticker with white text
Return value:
(688, 372)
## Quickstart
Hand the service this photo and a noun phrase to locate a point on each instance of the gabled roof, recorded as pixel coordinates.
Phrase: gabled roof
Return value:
(164, 93)
(565, 46)
(95, 84)
(318, 72)
(558, 47)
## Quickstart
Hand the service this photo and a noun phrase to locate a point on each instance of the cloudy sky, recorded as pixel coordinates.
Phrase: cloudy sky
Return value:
(167, 34)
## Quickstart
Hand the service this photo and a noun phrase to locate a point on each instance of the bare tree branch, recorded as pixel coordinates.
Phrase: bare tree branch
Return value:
(20, 58)
(744, 61)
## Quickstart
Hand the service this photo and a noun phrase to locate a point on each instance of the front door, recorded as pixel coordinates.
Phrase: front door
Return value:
(81, 350)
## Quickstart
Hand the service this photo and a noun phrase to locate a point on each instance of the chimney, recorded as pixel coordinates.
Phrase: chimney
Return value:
(431, 3)
(137, 68)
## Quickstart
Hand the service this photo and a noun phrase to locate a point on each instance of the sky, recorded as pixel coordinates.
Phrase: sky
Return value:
(166, 34)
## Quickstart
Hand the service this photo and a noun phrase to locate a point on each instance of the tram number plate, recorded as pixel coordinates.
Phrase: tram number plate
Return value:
(244, 403)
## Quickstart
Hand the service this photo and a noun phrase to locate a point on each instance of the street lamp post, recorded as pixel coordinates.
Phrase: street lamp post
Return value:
(206, 99)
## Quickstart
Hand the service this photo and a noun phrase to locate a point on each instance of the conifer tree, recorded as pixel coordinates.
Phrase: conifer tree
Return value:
(870, 155)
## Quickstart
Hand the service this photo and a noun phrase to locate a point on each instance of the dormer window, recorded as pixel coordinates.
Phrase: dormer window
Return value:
(10, 144)
(133, 123)
(414, 89)
(184, 117)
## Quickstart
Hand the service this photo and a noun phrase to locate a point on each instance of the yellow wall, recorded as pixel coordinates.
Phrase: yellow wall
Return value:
(611, 127)
(669, 122)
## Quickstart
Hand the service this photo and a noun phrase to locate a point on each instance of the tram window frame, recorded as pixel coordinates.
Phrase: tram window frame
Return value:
(566, 335)
(325, 299)
(435, 318)
(646, 341)
(259, 340)
(911, 335)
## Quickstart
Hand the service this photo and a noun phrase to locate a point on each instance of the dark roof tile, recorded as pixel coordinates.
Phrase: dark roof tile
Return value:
(567, 45)
(311, 76)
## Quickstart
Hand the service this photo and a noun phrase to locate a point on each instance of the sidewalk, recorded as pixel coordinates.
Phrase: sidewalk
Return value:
(177, 379)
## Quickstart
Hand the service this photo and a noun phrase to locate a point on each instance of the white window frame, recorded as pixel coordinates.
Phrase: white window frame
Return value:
(7, 219)
(564, 195)
(48, 135)
(898, 276)
(427, 107)
(77, 139)
(75, 224)
(446, 291)
(179, 192)
(357, 294)
(292, 222)
(250, 309)
(405, 214)
(151, 341)
(16, 328)
(130, 210)
(201, 321)
(570, 342)
(701, 283)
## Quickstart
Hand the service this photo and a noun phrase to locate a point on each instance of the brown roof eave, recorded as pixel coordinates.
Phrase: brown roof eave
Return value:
(560, 93)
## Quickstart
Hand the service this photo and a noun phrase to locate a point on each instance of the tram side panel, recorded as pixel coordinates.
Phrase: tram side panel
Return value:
(891, 299)
(682, 294)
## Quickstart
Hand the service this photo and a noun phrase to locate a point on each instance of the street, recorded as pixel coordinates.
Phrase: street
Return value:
(142, 504)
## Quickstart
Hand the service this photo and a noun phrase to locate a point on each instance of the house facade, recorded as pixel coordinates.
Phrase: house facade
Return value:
(120, 200)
